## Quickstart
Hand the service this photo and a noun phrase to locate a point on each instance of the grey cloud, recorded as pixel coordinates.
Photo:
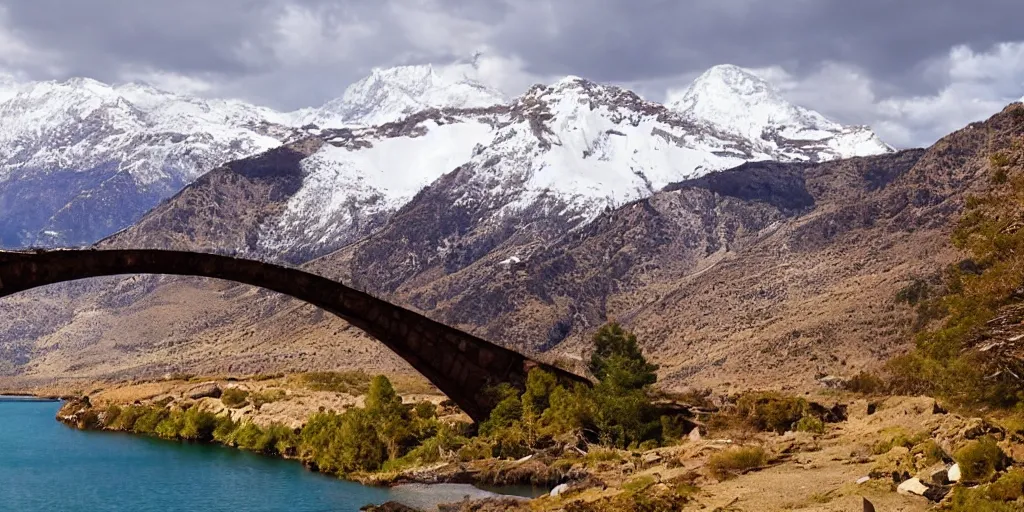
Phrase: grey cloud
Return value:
(630, 40)
(651, 45)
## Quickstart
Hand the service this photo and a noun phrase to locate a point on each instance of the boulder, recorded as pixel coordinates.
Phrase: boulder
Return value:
(651, 458)
(205, 390)
(936, 493)
(695, 434)
(953, 475)
(912, 486)
(559, 490)
(934, 475)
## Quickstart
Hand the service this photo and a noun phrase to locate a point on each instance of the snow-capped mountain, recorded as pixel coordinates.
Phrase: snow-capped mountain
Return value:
(735, 101)
(390, 94)
(558, 155)
(569, 150)
(91, 158)
(80, 159)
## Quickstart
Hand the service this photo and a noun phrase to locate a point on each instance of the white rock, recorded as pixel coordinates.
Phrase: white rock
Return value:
(652, 458)
(559, 489)
(954, 473)
(863, 480)
(912, 486)
(695, 434)
(524, 459)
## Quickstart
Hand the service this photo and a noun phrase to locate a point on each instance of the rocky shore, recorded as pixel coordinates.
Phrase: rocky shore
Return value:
(898, 453)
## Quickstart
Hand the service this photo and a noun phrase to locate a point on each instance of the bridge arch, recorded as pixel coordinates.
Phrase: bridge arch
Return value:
(459, 364)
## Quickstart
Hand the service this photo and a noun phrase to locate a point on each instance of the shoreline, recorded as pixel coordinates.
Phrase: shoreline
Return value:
(28, 397)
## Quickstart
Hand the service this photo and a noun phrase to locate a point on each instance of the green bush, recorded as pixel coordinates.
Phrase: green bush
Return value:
(110, 416)
(426, 410)
(674, 427)
(1009, 487)
(980, 460)
(810, 424)
(150, 419)
(261, 398)
(234, 397)
(977, 500)
(975, 291)
(736, 461)
(125, 421)
(865, 383)
(170, 426)
(353, 383)
(247, 437)
(771, 411)
(198, 426)
(224, 431)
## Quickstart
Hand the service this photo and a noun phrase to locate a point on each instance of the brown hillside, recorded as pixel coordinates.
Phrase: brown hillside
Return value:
(765, 275)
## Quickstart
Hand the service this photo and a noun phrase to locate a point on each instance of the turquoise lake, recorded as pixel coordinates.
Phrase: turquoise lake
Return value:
(48, 467)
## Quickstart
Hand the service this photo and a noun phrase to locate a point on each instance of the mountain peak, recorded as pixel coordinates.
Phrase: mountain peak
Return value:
(736, 101)
(388, 94)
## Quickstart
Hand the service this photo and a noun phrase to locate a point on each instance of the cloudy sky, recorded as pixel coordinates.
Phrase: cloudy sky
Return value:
(912, 69)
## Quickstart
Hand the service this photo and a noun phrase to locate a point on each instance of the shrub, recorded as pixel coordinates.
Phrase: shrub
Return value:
(247, 437)
(811, 424)
(1009, 487)
(198, 426)
(426, 410)
(150, 419)
(980, 460)
(674, 427)
(354, 383)
(126, 420)
(914, 293)
(110, 416)
(360, 447)
(224, 430)
(169, 427)
(234, 397)
(771, 411)
(476, 449)
(736, 461)
(261, 398)
(865, 383)
(507, 412)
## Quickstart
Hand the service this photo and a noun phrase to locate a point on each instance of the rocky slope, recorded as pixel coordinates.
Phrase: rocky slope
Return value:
(475, 231)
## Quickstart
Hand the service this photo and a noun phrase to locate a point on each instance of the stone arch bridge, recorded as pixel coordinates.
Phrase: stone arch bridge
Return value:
(459, 364)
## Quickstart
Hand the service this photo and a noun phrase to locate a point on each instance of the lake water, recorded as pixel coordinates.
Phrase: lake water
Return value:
(46, 467)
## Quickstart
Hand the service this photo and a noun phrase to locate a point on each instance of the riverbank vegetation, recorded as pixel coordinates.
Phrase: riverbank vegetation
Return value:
(387, 435)
(614, 445)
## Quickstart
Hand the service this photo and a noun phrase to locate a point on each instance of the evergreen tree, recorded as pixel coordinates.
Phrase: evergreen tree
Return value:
(391, 417)
(618, 361)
